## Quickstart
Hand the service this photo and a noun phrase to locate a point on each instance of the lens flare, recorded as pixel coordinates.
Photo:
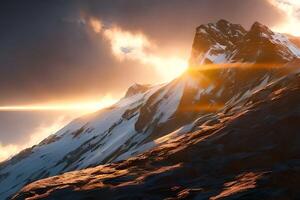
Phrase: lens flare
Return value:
(84, 107)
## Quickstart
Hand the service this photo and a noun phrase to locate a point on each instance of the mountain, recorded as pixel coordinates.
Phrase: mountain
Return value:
(212, 116)
(245, 152)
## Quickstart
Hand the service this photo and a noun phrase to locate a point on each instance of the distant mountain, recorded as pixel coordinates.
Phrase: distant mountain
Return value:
(241, 86)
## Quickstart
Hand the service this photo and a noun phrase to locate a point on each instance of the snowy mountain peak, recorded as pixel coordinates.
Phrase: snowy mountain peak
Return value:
(224, 42)
(220, 33)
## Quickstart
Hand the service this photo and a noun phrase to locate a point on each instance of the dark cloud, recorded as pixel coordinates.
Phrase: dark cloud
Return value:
(47, 53)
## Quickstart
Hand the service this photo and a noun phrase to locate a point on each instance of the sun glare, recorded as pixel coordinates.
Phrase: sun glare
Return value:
(169, 68)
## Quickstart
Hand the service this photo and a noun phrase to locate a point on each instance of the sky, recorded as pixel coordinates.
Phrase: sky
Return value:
(60, 59)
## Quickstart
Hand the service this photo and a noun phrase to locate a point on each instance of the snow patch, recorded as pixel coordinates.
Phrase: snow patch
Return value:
(282, 39)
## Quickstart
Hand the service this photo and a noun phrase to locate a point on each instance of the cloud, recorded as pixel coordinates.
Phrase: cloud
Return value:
(7, 151)
(48, 53)
(174, 21)
(291, 9)
(137, 47)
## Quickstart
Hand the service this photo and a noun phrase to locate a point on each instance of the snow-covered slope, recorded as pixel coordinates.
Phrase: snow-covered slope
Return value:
(150, 115)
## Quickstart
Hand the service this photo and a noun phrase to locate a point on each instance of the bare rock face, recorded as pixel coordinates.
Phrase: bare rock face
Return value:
(220, 130)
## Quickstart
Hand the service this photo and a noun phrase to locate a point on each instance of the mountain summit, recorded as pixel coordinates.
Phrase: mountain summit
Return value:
(227, 127)
(224, 42)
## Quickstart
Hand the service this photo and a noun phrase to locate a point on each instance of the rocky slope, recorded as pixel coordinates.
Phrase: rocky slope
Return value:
(230, 70)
